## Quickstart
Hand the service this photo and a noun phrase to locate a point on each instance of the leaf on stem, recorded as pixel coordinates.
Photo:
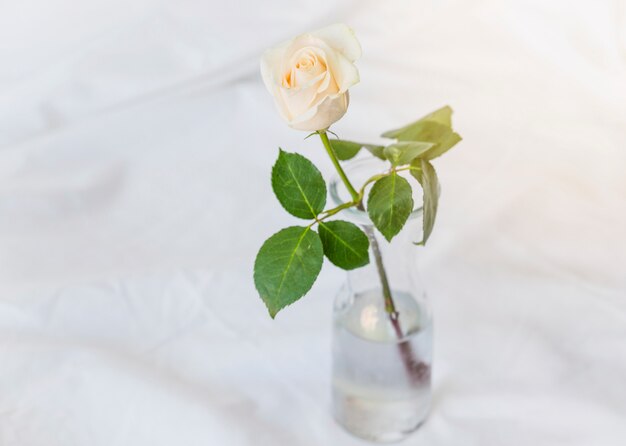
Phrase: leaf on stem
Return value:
(435, 128)
(443, 137)
(375, 150)
(345, 245)
(346, 150)
(416, 169)
(442, 116)
(427, 177)
(389, 204)
(287, 265)
(298, 185)
(406, 151)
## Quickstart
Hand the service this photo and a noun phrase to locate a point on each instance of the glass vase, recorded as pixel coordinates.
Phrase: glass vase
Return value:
(382, 330)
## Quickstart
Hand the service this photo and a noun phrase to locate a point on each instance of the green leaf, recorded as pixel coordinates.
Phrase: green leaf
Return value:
(430, 186)
(434, 128)
(443, 138)
(389, 204)
(286, 266)
(346, 150)
(404, 152)
(345, 244)
(416, 169)
(443, 116)
(377, 151)
(298, 185)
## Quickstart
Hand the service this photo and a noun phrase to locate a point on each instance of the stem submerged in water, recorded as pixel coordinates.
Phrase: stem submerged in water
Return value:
(406, 351)
(414, 370)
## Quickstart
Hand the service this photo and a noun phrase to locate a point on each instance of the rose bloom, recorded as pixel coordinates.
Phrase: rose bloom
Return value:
(309, 76)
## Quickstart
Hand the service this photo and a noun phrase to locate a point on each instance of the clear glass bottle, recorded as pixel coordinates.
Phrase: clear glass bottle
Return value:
(381, 359)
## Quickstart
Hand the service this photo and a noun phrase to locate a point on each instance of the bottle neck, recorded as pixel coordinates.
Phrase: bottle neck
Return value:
(398, 258)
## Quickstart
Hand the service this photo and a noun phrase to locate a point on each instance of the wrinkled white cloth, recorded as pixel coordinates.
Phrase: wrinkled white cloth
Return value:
(136, 141)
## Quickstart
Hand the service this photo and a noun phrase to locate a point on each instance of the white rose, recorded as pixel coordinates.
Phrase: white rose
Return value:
(309, 76)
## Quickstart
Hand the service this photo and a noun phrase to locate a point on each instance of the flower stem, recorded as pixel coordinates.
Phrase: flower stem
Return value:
(413, 369)
(390, 306)
(357, 197)
(333, 157)
(416, 371)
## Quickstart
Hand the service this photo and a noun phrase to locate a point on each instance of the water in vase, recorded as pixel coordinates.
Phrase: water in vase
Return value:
(381, 367)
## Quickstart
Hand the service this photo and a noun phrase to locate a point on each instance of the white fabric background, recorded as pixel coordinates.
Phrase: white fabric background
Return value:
(135, 146)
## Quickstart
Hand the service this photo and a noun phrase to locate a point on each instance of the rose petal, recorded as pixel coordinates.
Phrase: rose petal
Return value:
(283, 110)
(324, 85)
(341, 38)
(298, 100)
(310, 75)
(320, 117)
(344, 72)
(303, 77)
(271, 61)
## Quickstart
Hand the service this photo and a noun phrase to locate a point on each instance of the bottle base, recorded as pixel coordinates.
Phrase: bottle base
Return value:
(376, 421)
